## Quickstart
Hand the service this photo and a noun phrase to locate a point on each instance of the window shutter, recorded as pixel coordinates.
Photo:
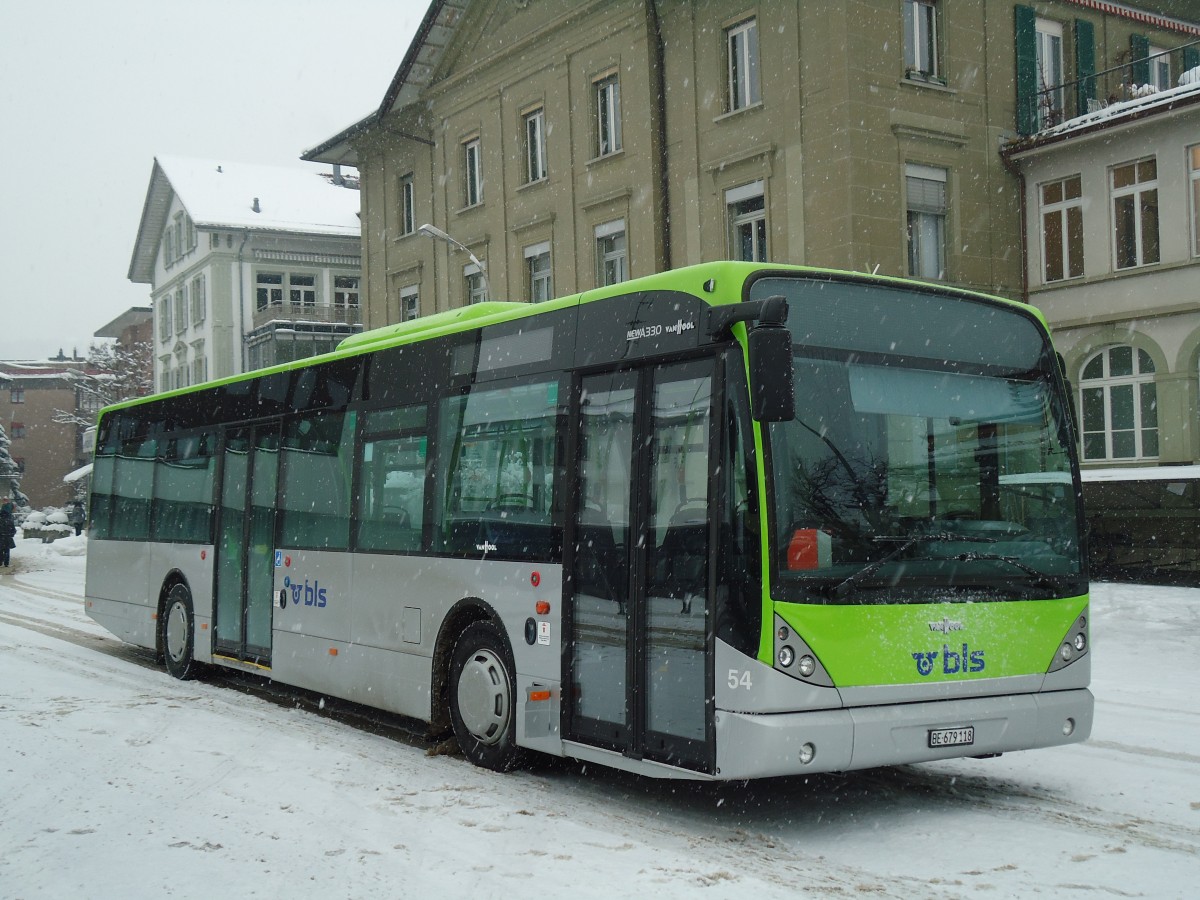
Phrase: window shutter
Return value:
(1085, 65)
(1025, 38)
(1191, 57)
(1139, 52)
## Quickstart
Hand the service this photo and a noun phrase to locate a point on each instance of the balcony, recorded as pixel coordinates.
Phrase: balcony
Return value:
(302, 312)
(1055, 104)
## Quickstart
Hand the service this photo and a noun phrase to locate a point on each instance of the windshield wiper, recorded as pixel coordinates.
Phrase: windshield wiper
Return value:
(840, 590)
(1039, 577)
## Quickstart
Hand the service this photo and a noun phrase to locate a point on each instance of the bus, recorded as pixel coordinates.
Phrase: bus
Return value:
(730, 521)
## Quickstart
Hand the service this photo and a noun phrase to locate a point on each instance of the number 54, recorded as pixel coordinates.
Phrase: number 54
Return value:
(739, 679)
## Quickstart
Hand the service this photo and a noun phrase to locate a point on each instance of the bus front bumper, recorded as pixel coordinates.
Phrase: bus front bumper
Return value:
(764, 745)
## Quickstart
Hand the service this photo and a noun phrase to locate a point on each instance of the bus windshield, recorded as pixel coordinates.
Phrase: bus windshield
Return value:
(929, 458)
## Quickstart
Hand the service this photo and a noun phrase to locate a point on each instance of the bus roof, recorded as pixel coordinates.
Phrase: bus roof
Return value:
(716, 283)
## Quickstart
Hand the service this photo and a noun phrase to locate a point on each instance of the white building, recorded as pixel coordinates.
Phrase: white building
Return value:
(1112, 225)
(248, 265)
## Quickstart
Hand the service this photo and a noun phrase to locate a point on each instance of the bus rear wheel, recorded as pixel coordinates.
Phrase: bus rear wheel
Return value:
(483, 698)
(178, 635)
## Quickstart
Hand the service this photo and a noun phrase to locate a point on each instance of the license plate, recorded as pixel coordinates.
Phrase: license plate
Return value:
(952, 737)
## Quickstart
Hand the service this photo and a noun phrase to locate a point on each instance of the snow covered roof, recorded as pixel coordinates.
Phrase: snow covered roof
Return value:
(240, 196)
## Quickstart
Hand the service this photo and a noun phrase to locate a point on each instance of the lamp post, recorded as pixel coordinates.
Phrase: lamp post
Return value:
(432, 231)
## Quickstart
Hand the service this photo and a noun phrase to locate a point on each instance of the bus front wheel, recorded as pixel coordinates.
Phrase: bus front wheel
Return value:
(178, 637)
(483, 697)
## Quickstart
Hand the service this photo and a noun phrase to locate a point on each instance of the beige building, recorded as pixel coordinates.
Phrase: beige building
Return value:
(36, 399)
(567, 144)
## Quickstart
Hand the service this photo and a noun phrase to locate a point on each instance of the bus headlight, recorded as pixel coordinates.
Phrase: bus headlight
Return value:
(787, 656)
(1065, 652)
(807, 666)
(807, 754)
(1080, 642)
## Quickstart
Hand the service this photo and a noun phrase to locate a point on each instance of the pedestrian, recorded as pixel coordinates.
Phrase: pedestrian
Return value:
(8, 532)
(76, 516)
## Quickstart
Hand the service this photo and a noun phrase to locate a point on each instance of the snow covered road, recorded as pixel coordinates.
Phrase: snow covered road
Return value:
(116, 780)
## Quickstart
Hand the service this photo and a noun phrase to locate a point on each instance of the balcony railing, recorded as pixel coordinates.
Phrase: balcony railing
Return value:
(302, 312)
(1057, 103)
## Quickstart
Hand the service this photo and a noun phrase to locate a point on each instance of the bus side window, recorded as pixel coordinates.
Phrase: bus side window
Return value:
(314, 486)
(495, 473)
(391, 499)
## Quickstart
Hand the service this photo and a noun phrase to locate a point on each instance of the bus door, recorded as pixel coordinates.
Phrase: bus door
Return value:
(246, 545)
(639, 674)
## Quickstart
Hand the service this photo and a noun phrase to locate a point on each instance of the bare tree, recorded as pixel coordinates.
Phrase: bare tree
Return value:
(114, 372)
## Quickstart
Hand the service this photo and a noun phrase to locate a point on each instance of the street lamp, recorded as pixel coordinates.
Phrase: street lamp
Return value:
(432, 231)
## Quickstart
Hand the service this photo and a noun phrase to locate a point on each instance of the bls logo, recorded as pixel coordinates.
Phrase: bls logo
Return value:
(954, 662)
(308, 594)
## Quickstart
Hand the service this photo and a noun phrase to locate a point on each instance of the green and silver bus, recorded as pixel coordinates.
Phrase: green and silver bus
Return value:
(729, 521)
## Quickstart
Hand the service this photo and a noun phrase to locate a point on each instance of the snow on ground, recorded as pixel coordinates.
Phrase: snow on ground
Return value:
(116, 780)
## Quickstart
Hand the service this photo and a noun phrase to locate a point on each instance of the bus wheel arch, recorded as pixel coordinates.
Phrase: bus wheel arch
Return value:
(483, 696)
(177, 628)
(461, 615)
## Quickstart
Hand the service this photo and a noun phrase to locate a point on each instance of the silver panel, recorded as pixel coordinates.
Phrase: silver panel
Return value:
(769, 691)
(383, 616)
(751, 746)
(124, 579)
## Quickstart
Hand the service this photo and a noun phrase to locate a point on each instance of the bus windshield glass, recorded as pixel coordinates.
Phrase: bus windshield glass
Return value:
(929, 458)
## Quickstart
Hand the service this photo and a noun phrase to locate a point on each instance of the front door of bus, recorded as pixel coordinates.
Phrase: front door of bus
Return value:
(639, 679)
(246, 549)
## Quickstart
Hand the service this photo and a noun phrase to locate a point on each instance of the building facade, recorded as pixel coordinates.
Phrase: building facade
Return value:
(567, 145)
(39, 405)
(571, 144)
(1112, 217)
(249, 266)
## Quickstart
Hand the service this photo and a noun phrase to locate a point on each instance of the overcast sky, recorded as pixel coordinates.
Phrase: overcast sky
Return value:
(91, 92)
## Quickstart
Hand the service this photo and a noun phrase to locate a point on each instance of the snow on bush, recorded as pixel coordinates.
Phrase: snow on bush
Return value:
(1191, 76)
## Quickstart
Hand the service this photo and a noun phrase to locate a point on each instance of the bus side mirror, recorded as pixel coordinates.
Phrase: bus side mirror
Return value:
(772, 378)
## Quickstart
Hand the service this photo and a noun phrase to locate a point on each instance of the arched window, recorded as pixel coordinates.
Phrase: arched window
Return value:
(1119, 405)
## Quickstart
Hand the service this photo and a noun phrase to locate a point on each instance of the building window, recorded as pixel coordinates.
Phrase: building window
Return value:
(16, 395)
(1135, 213)
(165, 327)
(181, 309)
(742, 49)
(169, 247)
(407, 220)
(537, 265)
(1160, 68)
(473, 278)
(214, 240)
(611, 263)
(345, 291)
(747, 211)
(921, 57)
(1119, 405)
(1194, 182)
(535, 145)
(925, 192)
(199, 370)
(410, 302)
(269, 290)
(608, 115)
(1050, 72)
(473, 185)
(302, 289)
(1062, 229)
(199, 300)
(16, 430)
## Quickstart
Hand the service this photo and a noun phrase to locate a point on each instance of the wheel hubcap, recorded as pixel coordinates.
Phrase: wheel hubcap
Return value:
(177, 631)
(484, 697)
